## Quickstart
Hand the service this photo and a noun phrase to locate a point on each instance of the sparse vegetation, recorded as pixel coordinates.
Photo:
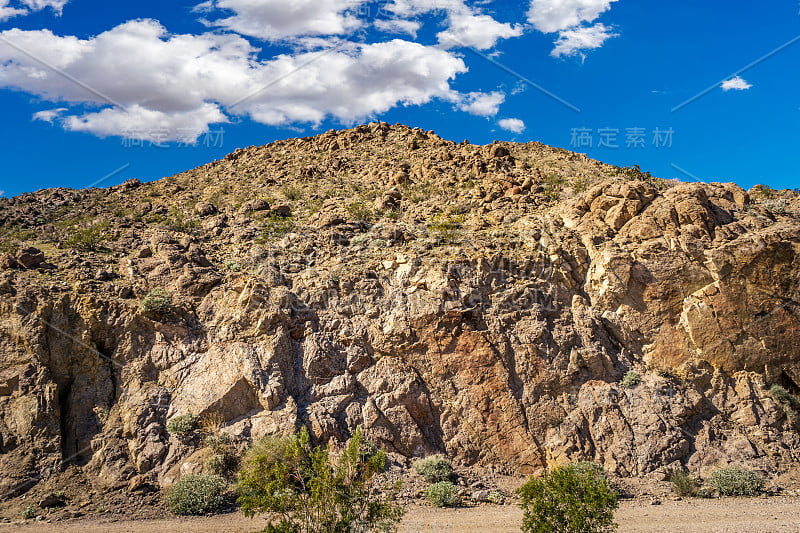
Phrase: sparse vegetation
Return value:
(303, 490)
(736, 481)
(496, 497)
(182, 425)
(29, 513)
(433, 468)
(785, 398)
(443, 494)
(630, 380)
(225, 458)
(157, 302)
(684, 484)
(197, 494)
(359, 211)
(177, 220)
(553, 186)
(88, 239)
(444, 228)
(275, 227)
(292, 193)
(575, 498)
(233, 266)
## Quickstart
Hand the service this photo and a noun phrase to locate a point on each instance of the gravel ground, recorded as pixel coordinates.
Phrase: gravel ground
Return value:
(734, 515)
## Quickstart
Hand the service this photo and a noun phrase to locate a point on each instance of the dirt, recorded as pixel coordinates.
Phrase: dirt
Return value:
(739, 515)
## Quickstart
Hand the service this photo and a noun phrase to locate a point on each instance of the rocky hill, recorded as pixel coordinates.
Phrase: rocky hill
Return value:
(512, 305)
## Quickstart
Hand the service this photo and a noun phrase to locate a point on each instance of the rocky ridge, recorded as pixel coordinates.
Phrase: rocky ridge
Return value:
(479, 301)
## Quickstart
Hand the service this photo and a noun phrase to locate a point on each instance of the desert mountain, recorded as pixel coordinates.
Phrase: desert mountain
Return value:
(512, 305)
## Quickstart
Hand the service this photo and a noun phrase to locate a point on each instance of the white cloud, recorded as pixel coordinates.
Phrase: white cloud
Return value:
(467, 26)
(550, 16)
(49, 115)
(180, 84)
(737, 84)
(479, 31)
(570, 19)
(275, 20)
(38, 5)
(482, 104)
(572, 42)
(514, 125)
(8, 12)
(409, 27)
(27, 6)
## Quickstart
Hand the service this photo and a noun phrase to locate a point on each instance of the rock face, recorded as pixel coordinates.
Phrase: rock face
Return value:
(482, 302)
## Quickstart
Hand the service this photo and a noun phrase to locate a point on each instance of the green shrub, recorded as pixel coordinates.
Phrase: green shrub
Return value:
(444, 228)
(158, 302)
(275, 227)
(360, 212)
(292, 192)
(575, 498)
(178, 221)
(225, 458)
(88, 239)
(433, 468)
(736, 481)
(182, 425)
(630, 379)
(443, 494)
(684, 484)
(496, 497)
(29, 512)
(553, 186)
(197, 494)
(781, 395)
(302, 489)
(233, 266)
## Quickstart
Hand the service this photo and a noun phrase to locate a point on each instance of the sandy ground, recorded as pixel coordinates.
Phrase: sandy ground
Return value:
(734, 515)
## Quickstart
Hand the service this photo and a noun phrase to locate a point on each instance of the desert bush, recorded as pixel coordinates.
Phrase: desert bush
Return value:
(302, 489)
(630, 379)
(443, 494)
(182, 425)
(496, 497)
(360, 212)
(225, 458)
(178, 221)
(88, 239)
(433, 468)
(553, 186)
(197, 494)
(275, 227)
(575, 498)
(683, 483)
(736, 481)
(781, 395)
(29, 512)
(157, 302)
(444, 228)
(292, 192)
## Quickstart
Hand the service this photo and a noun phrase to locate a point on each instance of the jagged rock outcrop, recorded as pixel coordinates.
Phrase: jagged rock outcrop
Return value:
(482, 302)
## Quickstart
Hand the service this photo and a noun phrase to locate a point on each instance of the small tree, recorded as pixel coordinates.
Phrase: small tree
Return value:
(306, 492)
(575, 498)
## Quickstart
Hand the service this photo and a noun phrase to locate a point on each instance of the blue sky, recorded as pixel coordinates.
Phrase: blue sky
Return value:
(105, 91)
